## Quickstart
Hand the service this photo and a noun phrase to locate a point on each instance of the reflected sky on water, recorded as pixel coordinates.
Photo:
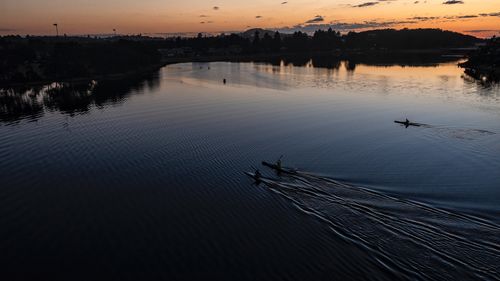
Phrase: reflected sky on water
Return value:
(148, 172)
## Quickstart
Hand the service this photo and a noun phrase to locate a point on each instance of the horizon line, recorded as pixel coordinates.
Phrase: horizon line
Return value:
(218, 33)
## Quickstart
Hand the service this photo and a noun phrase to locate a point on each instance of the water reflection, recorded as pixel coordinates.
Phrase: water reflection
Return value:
(164, 171)
(69, 98)
(31, 102)
(335, 62)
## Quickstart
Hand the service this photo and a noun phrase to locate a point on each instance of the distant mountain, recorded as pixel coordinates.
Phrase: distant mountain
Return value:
(250, 34)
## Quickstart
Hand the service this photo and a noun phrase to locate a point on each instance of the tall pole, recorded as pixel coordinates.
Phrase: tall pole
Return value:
(57, 29)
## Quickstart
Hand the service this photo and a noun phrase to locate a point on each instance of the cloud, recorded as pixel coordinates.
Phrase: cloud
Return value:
(317, 18)
(416, 2)
(283, 3)
(216, 8)
(461, 17)
(451, 2)
(371, 3)
(258, 17)
(419, 18)
(423, 18)
(482, 30)
(6, 29)
(366, 4)
(342, 26)
(203, 16)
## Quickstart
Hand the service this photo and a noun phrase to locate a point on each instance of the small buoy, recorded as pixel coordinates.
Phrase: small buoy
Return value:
(224, 80)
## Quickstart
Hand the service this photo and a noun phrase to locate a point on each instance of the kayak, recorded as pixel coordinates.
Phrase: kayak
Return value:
(408, 124)
(252, 175)
(279, 170)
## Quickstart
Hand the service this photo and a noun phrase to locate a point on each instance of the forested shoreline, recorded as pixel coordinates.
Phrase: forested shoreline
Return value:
(31, 59)
(484, 64)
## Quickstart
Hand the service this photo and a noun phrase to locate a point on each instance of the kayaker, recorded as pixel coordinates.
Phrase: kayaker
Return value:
(278, 164)
(407, 122)
(257, 175)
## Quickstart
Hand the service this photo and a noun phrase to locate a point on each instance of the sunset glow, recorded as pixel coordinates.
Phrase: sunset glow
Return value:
(79, 17)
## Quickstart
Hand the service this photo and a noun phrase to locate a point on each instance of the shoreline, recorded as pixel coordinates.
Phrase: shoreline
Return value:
(107, 77)
(340, 55)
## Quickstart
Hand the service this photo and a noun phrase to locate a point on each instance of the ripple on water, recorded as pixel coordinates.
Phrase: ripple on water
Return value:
(415, 240)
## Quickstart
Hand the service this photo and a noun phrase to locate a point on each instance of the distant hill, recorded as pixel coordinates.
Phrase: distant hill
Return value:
(409, 39)
(422, 38)
(250, 34)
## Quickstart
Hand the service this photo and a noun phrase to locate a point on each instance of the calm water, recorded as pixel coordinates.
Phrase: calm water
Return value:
(143, 178)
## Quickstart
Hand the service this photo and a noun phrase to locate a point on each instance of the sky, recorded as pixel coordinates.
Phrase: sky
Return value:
(80, 17)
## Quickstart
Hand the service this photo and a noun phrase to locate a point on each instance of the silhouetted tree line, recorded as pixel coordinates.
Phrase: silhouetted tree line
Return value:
(321, 40)
(48, 58)
(484, 63)
(37, 59)
(261, 42)
(408, 39)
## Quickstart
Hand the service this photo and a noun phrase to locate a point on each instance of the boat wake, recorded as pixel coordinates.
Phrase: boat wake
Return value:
(411, 239)
(457, 133)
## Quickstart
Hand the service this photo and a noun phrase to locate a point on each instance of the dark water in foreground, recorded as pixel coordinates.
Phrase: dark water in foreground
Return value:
(143, 179)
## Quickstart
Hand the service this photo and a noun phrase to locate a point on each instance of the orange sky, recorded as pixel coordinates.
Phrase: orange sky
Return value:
(477, 17)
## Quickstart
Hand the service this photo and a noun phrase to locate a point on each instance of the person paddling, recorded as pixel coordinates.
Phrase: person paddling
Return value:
(257, 175)
(278, 164)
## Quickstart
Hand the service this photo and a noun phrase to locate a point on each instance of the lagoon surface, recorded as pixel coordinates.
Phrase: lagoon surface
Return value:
(144, 178)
